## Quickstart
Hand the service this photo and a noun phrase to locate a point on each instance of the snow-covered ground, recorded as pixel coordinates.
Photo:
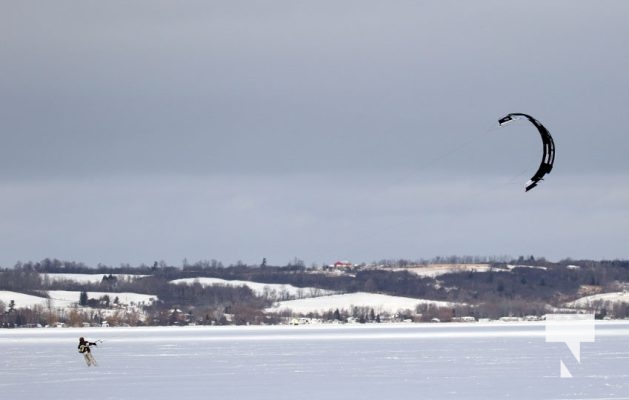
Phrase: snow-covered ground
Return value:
(324, 302)
(379, 302)
(272, 290)
(66, 299)
(87, 278)
(21, 300)
(435, 270)
(587, 301)
(367, 362)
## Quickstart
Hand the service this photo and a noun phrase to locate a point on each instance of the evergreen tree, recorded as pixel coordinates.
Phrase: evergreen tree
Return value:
(83, 299)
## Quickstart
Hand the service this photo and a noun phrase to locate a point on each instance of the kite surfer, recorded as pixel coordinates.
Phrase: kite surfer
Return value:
(84, 348)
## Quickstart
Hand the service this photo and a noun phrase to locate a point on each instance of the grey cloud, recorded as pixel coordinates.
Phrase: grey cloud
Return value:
(365, 96)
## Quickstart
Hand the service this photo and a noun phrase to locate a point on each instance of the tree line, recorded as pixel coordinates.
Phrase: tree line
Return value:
(519, 287)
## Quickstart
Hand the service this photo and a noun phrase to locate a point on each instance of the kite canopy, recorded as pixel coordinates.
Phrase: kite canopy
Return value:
(548, 157)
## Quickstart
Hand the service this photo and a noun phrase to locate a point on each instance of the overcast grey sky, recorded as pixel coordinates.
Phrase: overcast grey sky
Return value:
(136, 131)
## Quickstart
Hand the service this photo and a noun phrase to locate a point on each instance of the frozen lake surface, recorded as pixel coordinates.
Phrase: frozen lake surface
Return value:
(414, 361)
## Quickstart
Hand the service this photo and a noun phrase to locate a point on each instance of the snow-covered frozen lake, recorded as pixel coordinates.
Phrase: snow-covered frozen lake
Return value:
(414, 361)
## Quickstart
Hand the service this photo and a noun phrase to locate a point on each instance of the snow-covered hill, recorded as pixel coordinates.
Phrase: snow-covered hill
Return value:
(65, 299)
(22, 300)
(435, 270)
(308, 300)
(68, 298)
(588, 301)
(379, 302)
(271, 290)
(86, 278)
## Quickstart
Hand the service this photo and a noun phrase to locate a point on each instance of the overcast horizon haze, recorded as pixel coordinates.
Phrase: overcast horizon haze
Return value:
(143, 131)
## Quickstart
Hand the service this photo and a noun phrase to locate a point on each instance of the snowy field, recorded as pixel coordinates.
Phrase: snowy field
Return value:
(414, 361)
(379, 302)
(68, 299)
(587, 301)
(436, 270)
(273, 290)
(86, 278)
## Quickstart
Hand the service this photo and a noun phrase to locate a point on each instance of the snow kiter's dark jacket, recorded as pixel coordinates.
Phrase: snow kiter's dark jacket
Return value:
(84, 345)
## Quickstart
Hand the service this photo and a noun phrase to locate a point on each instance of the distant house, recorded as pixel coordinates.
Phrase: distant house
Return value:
(343, 264)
